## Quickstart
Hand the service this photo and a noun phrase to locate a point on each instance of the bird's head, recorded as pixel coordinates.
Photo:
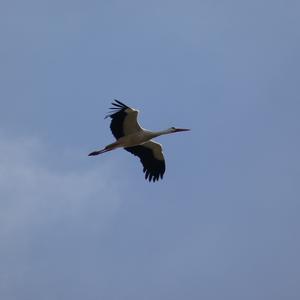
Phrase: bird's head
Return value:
(174, 129)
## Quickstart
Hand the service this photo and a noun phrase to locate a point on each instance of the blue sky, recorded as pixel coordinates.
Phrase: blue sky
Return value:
(224, 222)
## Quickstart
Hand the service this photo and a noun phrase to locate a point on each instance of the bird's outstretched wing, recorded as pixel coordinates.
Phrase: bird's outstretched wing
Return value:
(124, 119)
(152, 159)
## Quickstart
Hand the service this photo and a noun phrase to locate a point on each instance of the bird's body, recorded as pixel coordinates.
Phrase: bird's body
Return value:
(137, 140)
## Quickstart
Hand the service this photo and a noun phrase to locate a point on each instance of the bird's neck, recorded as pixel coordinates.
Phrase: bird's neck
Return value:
(160, 132)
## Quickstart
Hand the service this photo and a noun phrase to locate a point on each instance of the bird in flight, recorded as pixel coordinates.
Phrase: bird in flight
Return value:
(137, 140)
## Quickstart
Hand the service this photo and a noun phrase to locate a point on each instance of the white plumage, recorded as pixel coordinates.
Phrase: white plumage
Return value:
(137, 140)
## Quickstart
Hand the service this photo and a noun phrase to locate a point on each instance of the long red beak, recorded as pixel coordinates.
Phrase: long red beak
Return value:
(181, 129)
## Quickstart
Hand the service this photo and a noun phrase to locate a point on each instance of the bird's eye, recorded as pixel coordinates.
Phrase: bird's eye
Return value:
(173, 127)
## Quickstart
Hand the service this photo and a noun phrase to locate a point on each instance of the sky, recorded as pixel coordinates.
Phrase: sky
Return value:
(223, 223)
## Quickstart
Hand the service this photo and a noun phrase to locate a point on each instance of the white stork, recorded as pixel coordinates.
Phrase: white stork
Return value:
(137, 140)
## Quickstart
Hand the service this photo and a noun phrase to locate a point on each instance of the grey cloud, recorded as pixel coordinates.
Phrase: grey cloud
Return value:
(46, 216)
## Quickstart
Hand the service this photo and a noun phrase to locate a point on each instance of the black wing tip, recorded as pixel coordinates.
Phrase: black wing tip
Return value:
(119, 104)
(154, 176)
(118, 107)
(154, 169)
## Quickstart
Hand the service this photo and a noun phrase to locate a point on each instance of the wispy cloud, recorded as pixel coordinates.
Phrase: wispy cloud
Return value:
(44, 205)
(32, 193)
